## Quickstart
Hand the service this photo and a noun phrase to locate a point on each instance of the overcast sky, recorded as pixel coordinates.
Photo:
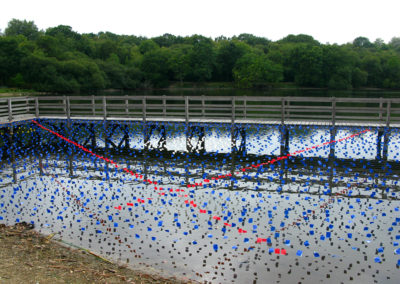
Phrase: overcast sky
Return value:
(333, 21)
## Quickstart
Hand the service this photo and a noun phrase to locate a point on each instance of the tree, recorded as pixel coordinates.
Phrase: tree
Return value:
(155, 67)
(300, 38)
(252, 69)
(179, 61)
(63, 31)
(358, 78)
(147, 46)
(371, 63)
(341, 79)
(104, 48)
(307, 65)
(362, 42)
(27, 29)
(391, 71)
(50, 46)
(10, 58)
(395, 43)
(201, 58)
(379, 44)
(228, 52)
(167, 40)
(338, 65)
(252, 39)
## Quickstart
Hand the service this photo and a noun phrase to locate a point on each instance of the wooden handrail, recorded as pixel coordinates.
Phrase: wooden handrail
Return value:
(327, 109)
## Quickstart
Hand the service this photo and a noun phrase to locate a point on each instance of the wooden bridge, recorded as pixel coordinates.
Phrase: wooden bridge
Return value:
(197, 111)
(371, 112)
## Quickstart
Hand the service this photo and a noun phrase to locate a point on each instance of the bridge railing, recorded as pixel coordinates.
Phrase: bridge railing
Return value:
(384, 111)
(13, 108)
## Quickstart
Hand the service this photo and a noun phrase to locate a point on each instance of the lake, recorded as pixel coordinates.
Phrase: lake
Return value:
(214, 216)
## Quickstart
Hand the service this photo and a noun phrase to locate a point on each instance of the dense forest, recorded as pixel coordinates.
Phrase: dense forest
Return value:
(62, 60)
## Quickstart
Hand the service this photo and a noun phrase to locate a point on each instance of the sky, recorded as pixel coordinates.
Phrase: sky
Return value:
(328, 21)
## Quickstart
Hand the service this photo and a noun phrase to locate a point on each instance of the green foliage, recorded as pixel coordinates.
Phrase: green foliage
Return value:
(252, 69)
(62, 60)
(228, 52)
(179, 61)
(301, 38)
(147, 46)
(154, 68)
(362, 42)
(201, 58)
(358, 77)
(307, 62)
(27, 29)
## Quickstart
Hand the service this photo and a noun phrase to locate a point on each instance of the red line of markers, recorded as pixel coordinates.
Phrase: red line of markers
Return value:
(217, 218)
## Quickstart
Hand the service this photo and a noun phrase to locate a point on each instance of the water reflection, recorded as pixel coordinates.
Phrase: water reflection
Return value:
(336, 220)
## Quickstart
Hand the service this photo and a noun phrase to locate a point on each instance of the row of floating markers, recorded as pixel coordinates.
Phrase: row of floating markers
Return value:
(192, 203)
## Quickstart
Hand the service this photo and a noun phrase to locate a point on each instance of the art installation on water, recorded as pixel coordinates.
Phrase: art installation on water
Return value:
(208, 203)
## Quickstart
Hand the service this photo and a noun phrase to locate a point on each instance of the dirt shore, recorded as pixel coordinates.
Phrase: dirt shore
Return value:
(28, 257)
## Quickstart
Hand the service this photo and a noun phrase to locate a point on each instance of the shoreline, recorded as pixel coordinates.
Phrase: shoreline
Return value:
(27, 256)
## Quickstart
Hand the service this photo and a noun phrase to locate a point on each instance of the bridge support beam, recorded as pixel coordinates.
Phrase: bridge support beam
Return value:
(92, 136)
(148, 133)
(382, 150)
(200, 146)
(236, 133)
(332, 145)
(284, 131)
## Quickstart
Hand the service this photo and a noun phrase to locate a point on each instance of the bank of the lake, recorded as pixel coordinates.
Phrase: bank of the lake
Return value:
(29, 257)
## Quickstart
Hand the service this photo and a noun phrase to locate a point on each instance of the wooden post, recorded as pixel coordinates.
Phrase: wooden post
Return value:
(144, 109)
(126, 106)
(186, 110)
(202, 107)
(388, 113)
(164, 106)
(68, 107)
(10, 116)
(64, 101)
(93, 106)
(233, 110)
(380, 108)
(104, 108)
(283, 112)
(37, 107)
(245, 106)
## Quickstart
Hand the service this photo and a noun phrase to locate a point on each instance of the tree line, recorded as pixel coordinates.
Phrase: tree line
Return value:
(62, 60)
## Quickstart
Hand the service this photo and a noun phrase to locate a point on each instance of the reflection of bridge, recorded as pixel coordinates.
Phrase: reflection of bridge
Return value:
(310, 176)
(194, 112)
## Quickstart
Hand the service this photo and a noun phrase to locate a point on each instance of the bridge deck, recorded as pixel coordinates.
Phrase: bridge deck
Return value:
(27, 118)
(319, 111)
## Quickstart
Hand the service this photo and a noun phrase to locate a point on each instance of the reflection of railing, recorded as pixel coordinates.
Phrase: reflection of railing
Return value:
(382, 111)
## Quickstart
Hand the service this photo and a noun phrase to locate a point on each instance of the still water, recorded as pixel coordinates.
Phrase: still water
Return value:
(308, 218)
